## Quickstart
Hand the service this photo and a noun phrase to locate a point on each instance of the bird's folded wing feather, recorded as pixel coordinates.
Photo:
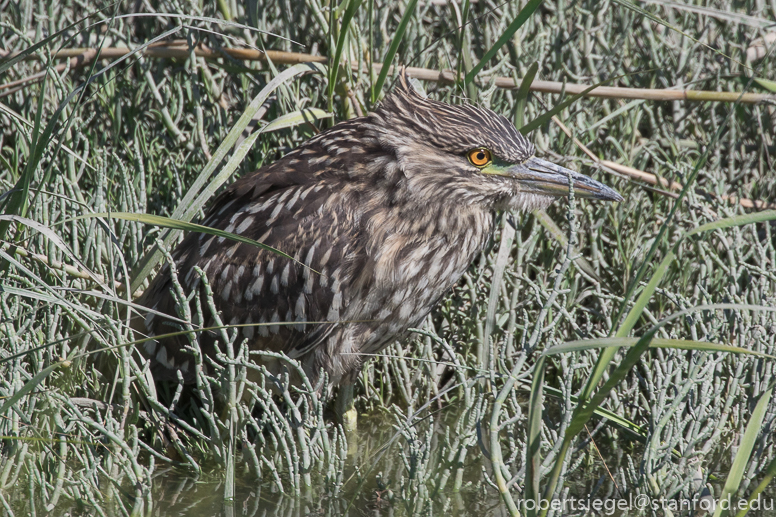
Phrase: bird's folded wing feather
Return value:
(294, 305)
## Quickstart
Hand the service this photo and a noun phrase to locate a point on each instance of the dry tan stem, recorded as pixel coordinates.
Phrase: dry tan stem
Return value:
(179, 49)
(653, 179)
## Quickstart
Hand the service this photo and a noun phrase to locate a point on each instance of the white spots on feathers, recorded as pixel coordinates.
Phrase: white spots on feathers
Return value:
(226, 291)
(206, 245)
(260, 207)
(248, 331)
(335, 281)
(226, 207)
(274, 214)
(263, 329)
(284, 275)
(294, 199)
(283, 196)
(449, 269)
(334, 309)
(245, 224)
(300, 308)
(433, 271)
(308, 281)
(326, 257)
(310, 254)
(161, 358)
(413, 269)
(406, 311)
(306, 191)
(336, 301)
(255, 288)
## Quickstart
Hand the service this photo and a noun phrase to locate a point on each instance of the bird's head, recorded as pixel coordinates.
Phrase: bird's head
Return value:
(470, 154)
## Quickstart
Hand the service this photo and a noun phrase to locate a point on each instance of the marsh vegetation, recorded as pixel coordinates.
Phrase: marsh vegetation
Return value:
(594, 351)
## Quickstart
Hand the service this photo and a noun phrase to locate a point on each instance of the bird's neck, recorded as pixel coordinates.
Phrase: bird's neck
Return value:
(412, 218)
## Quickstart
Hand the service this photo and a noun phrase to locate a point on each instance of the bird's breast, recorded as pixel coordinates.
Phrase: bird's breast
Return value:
(414, 264)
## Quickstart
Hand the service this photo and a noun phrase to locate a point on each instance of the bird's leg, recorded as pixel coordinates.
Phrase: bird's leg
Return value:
(345, 409)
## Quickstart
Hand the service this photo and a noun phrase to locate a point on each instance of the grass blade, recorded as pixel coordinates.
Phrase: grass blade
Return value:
(408, 13)
(17, 201)
(556, 233)
(633, 7)
(29, 386)
(636, 431)
(193, 201)
(56, 300)
(295, 118)
(534, 437)
(521, 98)
(6, 64)
(765, 83)
(745, 449)
(56, 240)
(546, 116)
(166, 222)
(679, 344)
(770, 473)
(334, 64)
(518, 22)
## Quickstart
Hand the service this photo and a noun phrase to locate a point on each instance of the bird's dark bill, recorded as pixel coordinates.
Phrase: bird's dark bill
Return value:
(539, 176)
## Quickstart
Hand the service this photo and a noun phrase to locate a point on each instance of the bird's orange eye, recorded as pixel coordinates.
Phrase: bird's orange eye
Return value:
(480, 157)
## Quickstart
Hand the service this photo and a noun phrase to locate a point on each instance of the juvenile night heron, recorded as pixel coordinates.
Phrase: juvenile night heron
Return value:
(388, 209)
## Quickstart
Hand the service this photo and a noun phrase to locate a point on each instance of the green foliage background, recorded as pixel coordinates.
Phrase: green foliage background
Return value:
(78, 439)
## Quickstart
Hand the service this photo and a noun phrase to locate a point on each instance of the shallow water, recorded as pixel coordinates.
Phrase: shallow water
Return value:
(377, 464)
(370, 485)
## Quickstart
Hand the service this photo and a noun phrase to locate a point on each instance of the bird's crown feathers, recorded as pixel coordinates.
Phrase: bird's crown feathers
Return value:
(452, 128)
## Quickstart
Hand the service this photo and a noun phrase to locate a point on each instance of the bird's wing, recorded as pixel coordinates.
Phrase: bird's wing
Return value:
(296, 304)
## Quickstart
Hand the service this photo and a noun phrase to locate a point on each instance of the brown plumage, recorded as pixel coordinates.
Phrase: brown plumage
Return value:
(390, 209)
